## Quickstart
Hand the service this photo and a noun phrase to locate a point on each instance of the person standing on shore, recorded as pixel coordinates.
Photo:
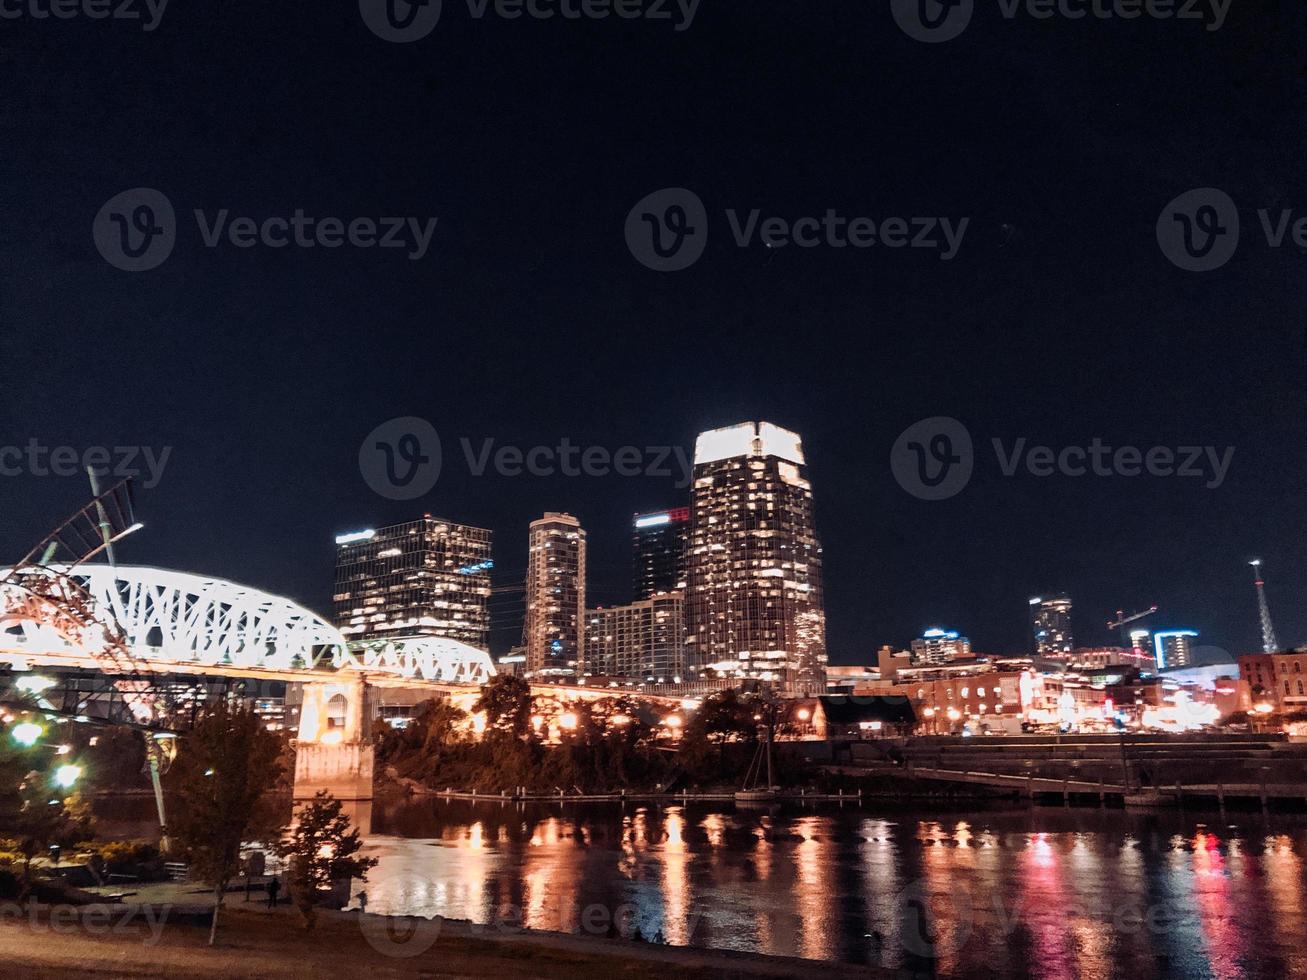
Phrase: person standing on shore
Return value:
(274, 886)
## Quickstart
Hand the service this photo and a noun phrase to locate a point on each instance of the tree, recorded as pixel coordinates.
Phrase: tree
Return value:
(322, 849)
(506, 701)
(223, 775)
(42, 821)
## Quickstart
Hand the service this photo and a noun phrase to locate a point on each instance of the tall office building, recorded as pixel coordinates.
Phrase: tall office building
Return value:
(1050, 622)
(940, 646)
(644, 640)
(1172, 649)
(429, 577)
(753, 567)
(658, 547)
(554, 632)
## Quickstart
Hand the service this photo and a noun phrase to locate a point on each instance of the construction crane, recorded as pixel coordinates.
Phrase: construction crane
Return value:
(40, 589)
(1122, 621)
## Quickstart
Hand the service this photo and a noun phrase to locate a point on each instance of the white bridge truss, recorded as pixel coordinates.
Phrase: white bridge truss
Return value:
(176, 618)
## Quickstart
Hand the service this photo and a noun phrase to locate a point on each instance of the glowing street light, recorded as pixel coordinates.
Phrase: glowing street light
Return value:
(672, 721)
(35, 685)
(66, 776)
(804, 714)
(27, 733)
(567, 720)
(954, 714)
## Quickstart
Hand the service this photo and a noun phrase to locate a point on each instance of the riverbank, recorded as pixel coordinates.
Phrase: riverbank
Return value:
(102, 941)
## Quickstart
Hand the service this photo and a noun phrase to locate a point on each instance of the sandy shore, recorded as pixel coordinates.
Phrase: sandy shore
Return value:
(125, 941)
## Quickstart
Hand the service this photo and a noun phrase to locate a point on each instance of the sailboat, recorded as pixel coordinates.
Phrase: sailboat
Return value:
(754, 790)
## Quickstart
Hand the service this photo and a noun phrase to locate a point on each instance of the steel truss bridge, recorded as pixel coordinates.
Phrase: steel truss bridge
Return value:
(176, 622)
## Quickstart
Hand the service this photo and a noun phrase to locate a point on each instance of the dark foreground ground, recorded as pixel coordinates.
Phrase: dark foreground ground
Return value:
(103, 942)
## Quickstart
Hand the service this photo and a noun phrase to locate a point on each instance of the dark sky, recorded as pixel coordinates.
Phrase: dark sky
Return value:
(1060, 319)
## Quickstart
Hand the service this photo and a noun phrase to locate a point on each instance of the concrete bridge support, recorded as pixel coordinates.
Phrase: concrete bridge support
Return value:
(334, 750)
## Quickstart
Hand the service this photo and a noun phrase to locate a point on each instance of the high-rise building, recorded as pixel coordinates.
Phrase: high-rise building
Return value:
(645, 639)
(554, 632)
(659, 541)
(753, 568)
(429, 577)
(939, 646)
(1050, 622)
(1172, 648)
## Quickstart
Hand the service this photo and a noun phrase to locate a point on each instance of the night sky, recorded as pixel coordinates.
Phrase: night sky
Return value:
(529, 320)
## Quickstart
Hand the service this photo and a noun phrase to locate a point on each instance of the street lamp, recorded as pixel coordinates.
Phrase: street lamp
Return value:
(26, 733)
(66, 776)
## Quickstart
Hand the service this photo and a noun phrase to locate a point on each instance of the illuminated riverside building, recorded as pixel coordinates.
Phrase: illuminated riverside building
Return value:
(1273, 683)
(1050, 622)
(939, 646)
(554, 631)
(644, 640)
(1091, 657)
(658, 549)
(753, 567)
(429, 577)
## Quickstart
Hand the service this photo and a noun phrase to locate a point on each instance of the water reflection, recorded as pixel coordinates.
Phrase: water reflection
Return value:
(1048, 894)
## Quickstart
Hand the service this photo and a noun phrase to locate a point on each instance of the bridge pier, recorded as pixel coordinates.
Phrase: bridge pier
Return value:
(334, 750)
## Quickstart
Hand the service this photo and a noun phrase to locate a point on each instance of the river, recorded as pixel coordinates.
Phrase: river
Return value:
(1042, 892)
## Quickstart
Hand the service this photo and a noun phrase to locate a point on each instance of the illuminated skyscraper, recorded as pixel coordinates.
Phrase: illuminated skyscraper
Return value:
(1050, 621)
(753, 568)
(428, 577)
(939, 646)
(645, 639)
(1173, 649)
(554, 631)
(659, 541)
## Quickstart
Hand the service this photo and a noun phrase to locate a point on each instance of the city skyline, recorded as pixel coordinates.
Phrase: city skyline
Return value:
(650, 558)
